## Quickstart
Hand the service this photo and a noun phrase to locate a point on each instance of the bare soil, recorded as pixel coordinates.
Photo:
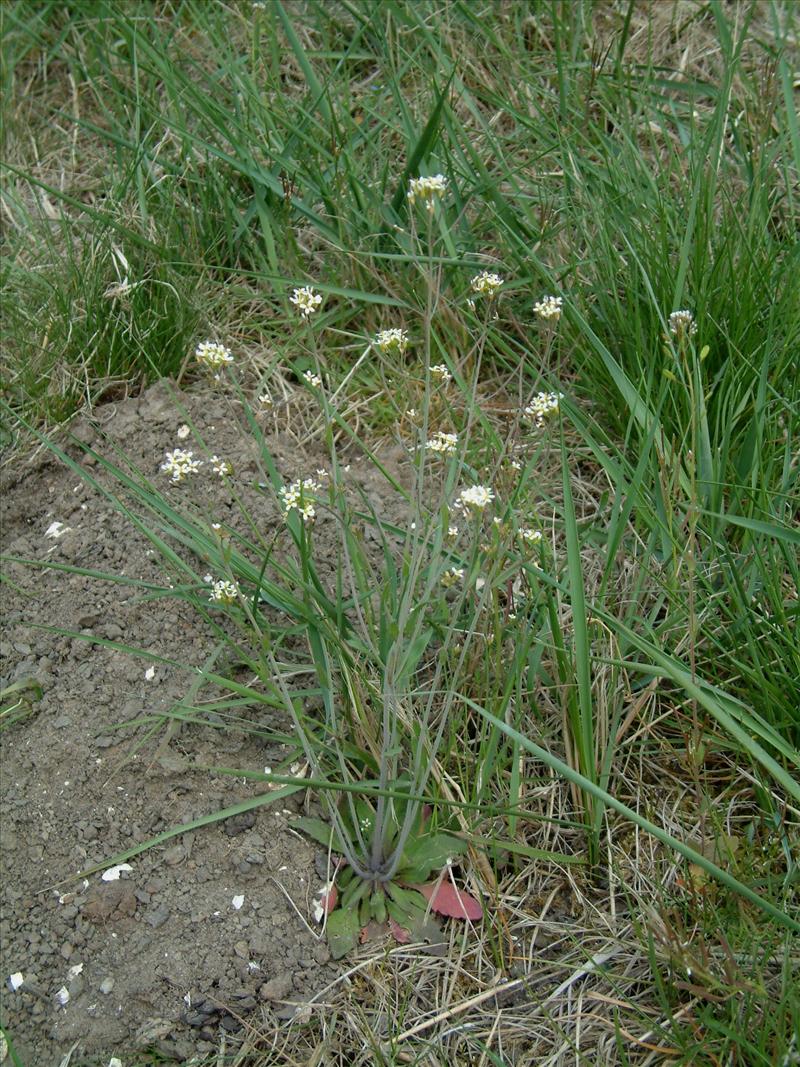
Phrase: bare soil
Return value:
(161, 960)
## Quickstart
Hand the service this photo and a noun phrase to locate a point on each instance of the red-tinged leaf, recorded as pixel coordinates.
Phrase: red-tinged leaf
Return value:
(447, 900)
(325, 900)
(399, 933)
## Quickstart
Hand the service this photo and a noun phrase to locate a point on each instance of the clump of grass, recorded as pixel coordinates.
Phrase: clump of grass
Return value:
(652, 624)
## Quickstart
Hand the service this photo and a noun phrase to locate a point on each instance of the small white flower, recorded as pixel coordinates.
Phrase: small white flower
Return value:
(682, 324)
(312, 379)
(428, 190)
(452, 576)
(224, 592)
(486, 284)
(549, 308)
(443, 443)
(265, 400)
(220, 466)
(208, 578)
(529, 536)
(179, 463)
(441, 372)
(542, 406)
(213, 356)
(412, 413)
(477, 497)
(300, 497)
(452, 532)
(183, 432)
(391, 341)
(306, 301)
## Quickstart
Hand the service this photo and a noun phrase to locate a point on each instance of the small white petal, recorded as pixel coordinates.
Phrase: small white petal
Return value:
(15, 981)
(113, 873)
(237, 901)
(150, 673)
(114, 1062)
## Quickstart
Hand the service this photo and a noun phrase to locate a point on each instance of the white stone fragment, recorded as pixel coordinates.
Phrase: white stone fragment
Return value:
(113, 873)
(56, 530)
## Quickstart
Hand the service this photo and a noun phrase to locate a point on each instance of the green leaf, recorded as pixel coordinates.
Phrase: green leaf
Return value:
(377, 906)
(320, 831)
(427, 854)
(342, 928)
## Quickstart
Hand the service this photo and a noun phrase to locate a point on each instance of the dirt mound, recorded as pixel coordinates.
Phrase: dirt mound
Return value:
(208, 928)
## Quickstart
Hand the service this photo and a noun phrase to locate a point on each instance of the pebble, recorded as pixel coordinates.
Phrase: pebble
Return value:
(276, 988)
(106, 986)
(157, 916)
(67, 950)
(237, 824)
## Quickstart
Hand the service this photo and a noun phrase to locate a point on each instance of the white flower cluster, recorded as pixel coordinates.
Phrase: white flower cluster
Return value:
(682, 324)
(300, 497)
(213, 356)
(529, 536)
(220, 466)
(542, 406)
(429, 190)
(265, 400)
(306, 301)
(477, 497)
(549, 307)
(223, 591)
(391, 341)
(312, 379)
(179, 463)
(486, 283)
(443, 443)
(452, 577)
(441, 372)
